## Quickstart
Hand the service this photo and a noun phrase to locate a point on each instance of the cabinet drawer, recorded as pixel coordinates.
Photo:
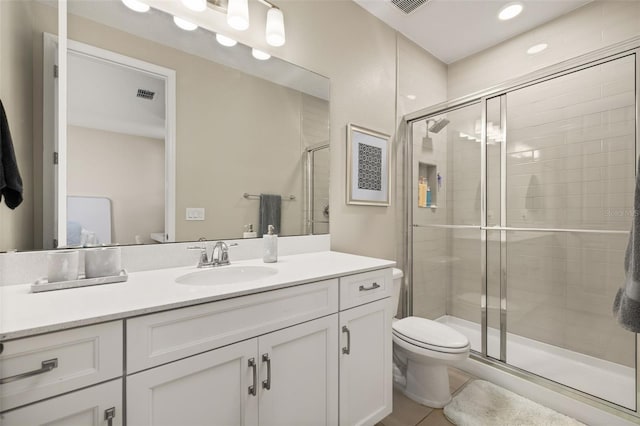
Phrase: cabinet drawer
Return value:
(82, 357)
(86, 407)
(364, 288)
(167, 336)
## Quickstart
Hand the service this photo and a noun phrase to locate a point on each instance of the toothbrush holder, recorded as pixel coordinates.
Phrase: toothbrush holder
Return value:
(102, 262)
(62, 265)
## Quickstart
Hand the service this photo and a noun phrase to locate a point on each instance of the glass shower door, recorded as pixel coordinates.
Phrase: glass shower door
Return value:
(565, 191)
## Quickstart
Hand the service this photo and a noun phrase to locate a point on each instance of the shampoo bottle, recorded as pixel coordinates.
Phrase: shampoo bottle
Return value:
(422, 193)
(428, 197)
(270, 240)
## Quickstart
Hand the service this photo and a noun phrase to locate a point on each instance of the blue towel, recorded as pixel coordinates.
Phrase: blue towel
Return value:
(270, 206)
(10, 180)
(626, 306)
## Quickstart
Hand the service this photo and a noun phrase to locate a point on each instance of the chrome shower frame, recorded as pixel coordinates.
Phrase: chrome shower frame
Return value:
(597, 57)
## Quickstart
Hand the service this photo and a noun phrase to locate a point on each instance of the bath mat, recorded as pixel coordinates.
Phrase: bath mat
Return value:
(482, 403)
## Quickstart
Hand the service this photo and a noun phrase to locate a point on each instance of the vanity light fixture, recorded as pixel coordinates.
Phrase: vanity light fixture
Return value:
(510, 11)
(275, 27)
(259, 54)
(195, 5)
(537, 48)
(238, 14)
(184, 24)
(136, 5)
(225, 41)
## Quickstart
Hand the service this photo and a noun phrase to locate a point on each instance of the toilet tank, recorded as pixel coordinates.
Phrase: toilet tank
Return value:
(397, 288)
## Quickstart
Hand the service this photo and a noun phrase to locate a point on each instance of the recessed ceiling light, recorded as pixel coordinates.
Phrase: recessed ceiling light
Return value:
(411, 97)
(195, 5)
(510, 11)
(536, 48)
(136, 5)
(225, 41)
(259, 54)
(184, 24)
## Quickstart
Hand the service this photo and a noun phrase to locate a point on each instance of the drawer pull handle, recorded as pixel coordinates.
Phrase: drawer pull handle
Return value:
(373, 287)
(266, 384)
(347, 350)
(252, 388)
(109, 415)
(47, 366)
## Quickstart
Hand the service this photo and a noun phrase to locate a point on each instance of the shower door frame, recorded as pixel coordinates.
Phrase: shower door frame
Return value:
(597, 57)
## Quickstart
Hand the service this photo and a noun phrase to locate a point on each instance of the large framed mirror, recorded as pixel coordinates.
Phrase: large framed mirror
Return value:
(170, 136)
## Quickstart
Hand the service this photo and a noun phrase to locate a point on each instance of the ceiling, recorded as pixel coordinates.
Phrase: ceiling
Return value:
(454, 29)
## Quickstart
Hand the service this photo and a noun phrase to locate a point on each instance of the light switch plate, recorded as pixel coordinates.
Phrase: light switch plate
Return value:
(195, 213)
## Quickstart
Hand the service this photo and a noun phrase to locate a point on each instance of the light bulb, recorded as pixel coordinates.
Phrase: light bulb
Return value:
(510, 11)
(225, 41)
(259, 54)
(195, 5)
(136, 5)
(184, 24)
(536, 48)
(275, 27)
(238, 14)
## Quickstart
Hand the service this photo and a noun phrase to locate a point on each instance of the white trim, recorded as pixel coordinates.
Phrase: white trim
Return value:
(61, 107)
(49, 139)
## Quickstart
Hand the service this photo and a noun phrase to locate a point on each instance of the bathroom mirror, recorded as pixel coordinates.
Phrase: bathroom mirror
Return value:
(230, 129)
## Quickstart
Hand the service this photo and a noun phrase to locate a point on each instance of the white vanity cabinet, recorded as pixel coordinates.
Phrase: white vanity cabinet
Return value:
(222, 363)
(366, 348)
(288, 377)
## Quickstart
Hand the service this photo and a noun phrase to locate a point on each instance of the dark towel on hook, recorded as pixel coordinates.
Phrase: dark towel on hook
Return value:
(10, 180)
(626, 306)
(270, 206)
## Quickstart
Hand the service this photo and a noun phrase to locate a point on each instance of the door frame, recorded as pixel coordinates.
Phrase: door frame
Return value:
(55, 101)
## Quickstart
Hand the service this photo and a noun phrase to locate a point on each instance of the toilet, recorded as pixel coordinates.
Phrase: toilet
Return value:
(422, 351)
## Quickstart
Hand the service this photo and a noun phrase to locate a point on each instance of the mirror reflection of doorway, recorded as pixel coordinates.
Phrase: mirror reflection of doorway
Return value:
(119, 184)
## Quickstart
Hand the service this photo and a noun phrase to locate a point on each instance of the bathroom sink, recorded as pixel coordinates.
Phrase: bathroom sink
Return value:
(226, 275)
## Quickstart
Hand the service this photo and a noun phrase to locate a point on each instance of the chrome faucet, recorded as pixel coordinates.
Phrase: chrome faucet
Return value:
(223, 254)
(219, 255)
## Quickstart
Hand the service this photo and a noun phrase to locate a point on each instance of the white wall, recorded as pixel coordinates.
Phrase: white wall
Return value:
(108, 164)
(596, 25)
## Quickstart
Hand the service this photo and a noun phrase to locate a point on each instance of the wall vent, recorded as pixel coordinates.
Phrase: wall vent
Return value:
(146, 94)
(408, 6)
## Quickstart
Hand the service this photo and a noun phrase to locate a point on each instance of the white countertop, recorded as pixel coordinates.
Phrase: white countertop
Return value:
(23, 313)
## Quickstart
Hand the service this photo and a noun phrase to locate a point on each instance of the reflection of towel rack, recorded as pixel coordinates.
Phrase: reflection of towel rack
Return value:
(287, 198)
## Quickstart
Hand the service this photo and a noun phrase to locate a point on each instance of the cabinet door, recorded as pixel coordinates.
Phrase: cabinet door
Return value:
(212, 388)
(366, 363)
(299, 374)
(86, 407)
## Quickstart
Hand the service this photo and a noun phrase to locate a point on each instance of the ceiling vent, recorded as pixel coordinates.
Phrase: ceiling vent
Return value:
(408, 6)
(146, 94)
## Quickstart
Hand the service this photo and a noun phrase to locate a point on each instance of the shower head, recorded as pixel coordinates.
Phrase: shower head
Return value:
(438, 125)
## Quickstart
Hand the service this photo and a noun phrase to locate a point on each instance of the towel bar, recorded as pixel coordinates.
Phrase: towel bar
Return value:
(284, 198)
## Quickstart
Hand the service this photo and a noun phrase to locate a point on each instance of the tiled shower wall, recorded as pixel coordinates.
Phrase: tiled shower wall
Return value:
(570, 165)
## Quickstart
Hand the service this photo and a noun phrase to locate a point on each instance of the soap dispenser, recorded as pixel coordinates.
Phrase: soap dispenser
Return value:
(249, 232)
(270, 241)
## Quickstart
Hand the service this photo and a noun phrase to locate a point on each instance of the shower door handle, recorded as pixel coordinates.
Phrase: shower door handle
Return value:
(347, 350)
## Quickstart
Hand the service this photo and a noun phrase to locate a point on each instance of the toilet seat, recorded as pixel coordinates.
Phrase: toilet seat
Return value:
(430, 335)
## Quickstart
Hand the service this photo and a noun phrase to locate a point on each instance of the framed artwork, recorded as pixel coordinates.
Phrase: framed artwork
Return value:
(368, 171)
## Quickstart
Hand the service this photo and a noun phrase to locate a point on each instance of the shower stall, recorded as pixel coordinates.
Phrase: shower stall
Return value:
(521, 247)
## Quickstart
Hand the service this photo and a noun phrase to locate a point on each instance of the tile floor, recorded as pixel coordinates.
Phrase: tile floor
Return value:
(409, 413)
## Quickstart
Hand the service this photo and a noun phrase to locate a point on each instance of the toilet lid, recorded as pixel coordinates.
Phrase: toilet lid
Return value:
(430, 333)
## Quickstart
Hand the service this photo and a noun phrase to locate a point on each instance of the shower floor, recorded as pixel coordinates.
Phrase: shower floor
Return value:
(604, 379)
